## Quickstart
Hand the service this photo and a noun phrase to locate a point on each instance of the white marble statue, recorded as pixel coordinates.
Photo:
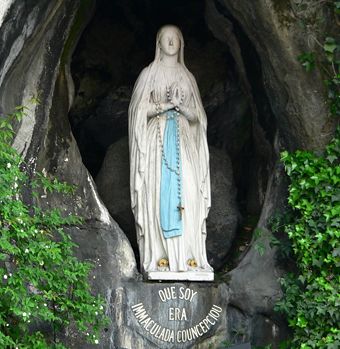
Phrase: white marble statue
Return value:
(169, 165)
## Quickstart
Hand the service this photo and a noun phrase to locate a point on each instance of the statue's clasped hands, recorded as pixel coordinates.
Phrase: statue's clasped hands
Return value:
(175, 95)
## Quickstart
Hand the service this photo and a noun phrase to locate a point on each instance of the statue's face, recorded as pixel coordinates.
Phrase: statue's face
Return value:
(170, 42)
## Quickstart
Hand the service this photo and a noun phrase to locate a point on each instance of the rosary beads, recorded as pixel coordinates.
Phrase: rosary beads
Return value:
(158, 108)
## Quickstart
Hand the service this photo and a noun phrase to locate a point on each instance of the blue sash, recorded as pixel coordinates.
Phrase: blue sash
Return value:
(170, 215)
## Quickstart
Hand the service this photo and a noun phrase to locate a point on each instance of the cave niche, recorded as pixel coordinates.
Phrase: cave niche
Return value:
(116, 44)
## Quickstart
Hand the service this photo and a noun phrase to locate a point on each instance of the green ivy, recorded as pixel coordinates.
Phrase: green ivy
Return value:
(312, 298)
(307, 59)
(41, 281)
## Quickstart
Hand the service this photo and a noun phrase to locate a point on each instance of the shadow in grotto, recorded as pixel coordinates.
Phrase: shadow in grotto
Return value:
(115, 46)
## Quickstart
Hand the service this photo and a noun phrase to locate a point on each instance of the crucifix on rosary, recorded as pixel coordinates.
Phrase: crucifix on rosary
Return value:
(180, 209)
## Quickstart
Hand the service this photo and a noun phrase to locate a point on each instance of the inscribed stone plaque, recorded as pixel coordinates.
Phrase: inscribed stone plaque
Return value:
(177, 315)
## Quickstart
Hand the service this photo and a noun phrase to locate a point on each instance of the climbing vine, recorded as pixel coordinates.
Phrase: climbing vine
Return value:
(41, 282)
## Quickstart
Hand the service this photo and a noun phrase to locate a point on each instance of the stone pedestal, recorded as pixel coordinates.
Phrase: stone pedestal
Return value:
(182, 276)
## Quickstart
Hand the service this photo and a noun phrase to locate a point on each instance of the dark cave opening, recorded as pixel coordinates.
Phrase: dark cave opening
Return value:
(115, 46)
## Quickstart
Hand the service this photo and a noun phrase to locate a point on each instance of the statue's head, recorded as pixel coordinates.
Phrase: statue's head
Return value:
(170, 42)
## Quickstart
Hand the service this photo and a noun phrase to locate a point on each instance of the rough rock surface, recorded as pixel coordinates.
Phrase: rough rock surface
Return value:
(114, 189)
(297, 99)
(254, 282)
(223, 217)
(96, 132)
(113, 184)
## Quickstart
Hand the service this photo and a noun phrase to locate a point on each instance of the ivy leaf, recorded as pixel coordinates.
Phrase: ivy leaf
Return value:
(330, 45)
(259, 247)
(307, 60)
(336, 252)
(331, 158)
(257, 233)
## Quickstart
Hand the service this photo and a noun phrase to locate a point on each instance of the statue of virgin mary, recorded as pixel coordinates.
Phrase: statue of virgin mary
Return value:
(169, 166)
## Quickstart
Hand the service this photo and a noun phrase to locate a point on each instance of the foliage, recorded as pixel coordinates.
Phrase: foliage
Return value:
(279, 239)
(312, 299)
(259, 246)
(41, 282)
(307, 59)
